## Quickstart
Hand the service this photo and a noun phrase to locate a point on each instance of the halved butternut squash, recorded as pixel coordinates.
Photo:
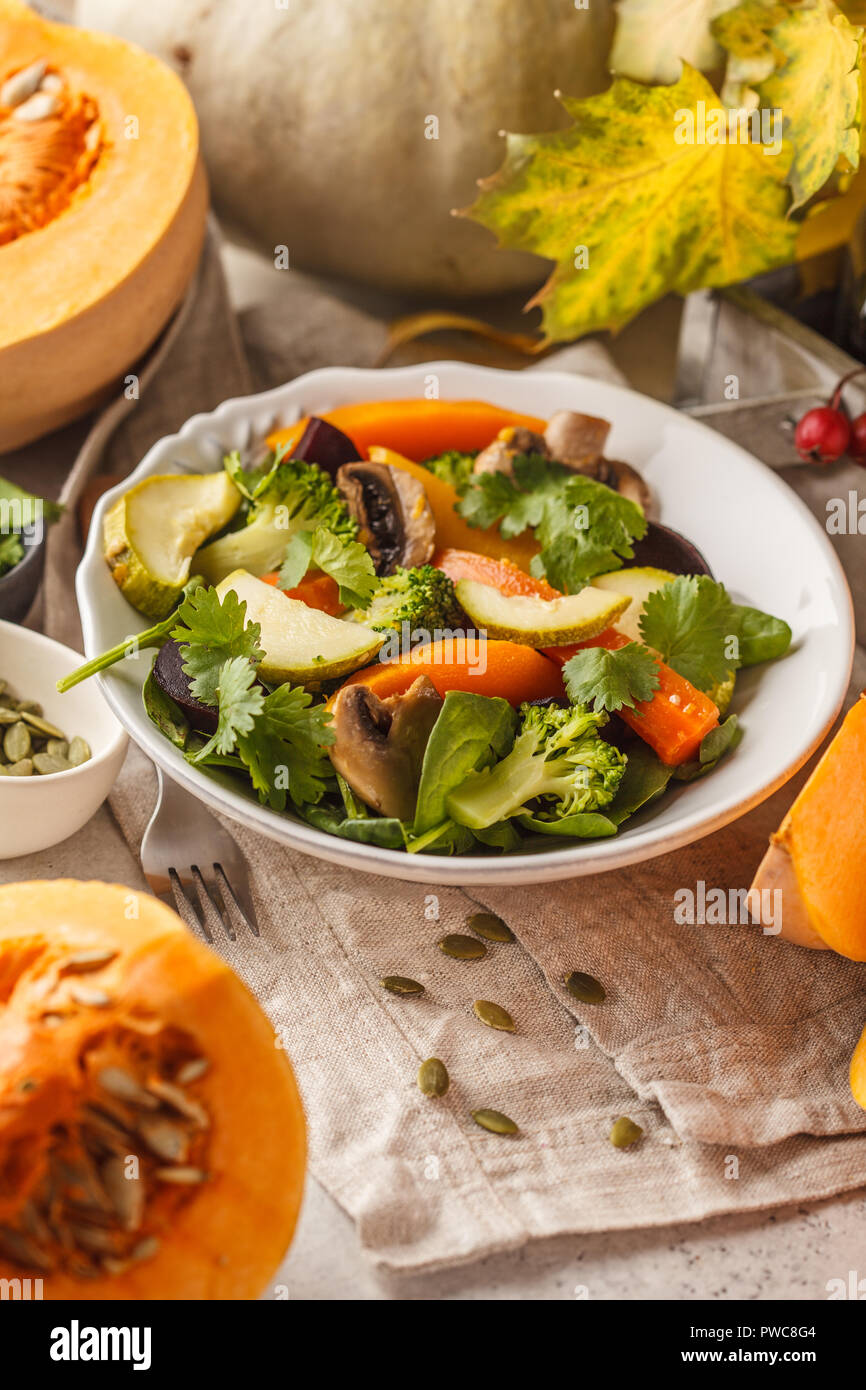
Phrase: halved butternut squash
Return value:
(102, 213)
(151, 1133)
(816, 857)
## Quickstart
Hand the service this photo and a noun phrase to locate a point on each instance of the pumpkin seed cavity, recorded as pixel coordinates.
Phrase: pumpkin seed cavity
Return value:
(132, 1156)
(50, 141)
(30, 744)
(491, 927)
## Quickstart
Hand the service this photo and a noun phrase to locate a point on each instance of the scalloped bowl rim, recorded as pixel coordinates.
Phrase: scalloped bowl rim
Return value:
(662, 443)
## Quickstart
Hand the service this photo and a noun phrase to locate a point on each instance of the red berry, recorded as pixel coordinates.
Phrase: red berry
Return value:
(857, 446)
(822, 435)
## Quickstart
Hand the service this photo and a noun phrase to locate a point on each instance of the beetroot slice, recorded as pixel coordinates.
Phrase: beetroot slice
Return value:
(325, 445)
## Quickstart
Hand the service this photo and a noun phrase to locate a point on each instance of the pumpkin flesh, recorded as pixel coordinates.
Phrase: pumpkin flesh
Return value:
(170, 1002)
(102, 213)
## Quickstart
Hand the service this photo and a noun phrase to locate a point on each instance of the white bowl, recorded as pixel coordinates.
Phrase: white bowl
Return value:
(38, 812)
(756, 534)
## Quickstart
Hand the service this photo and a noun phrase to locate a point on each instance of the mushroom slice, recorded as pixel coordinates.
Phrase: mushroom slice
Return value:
(499, 456)
(379, 744)
(392, 511)
(575, 439)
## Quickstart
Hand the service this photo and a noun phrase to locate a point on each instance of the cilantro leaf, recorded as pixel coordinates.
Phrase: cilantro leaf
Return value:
(212, 631)
(583, 527)
(692, 624)
(299, 555)
(240, 702)
(608, 680)
(284, 752)
(347, 561)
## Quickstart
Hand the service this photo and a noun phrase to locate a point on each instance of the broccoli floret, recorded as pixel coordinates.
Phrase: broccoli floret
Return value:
(452, 467)
(557, 756)
(422, 597)
(288, 497)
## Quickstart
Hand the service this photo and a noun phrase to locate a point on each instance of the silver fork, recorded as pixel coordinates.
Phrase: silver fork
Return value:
(191, 862)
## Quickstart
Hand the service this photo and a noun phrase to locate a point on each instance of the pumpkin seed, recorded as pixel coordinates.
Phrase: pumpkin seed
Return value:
(185, 1177)
(145, 1249)
(401, 984)
(58, 746)
(126, 1194)
(32, 713)
(462, 947)
(115, 1266)
(180, 1101)
(93, 959)
(192, 1070)
(433, 1078)
(24, 768)
(8, 716)
(89, 996)
(95, 1239)
(20, 86)
(46, 764)
(23, 1251)
(624, 1132)
(585, 988)
(16, 742)
(165, 1139)
(494, 1015)
(495, 1121)
(53, 82)
(491, 927)
(26, 707)
(79, 751)
(52, 1020)
(37, 107)
(120, 1084)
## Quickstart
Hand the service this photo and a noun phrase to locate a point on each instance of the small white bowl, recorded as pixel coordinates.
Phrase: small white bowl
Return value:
(38, 812)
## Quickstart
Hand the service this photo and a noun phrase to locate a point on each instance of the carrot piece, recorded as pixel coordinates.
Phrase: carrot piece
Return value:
(677, 717)
(315, 590)
(503, 575)
(675, 720)
(514, 672)
(417, 428)
(452, 532)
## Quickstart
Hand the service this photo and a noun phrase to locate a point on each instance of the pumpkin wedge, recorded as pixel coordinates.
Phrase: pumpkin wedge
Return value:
(816, 857)
(102, 214)
(151, 1133)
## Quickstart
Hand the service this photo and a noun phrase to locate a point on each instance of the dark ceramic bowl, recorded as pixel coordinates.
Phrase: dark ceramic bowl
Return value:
(19, 587)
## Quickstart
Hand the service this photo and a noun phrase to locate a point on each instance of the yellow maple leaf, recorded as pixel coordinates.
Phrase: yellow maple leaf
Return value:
(812, 79)
(649, 190)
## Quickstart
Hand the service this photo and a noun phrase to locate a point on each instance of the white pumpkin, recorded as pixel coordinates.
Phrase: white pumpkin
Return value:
(346, 130)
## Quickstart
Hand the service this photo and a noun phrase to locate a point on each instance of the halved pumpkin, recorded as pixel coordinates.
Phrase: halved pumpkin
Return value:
(102, 213)
(151, 1133)
(815, 859)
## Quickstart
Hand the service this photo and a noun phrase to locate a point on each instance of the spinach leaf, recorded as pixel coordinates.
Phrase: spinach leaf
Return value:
(583, 825)
(723, 739)
(164, 713)
(472, 732)
(384, 831)
(645, 778)
(761, 636)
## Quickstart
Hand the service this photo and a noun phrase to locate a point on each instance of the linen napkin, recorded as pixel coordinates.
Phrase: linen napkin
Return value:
(729, 1048)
